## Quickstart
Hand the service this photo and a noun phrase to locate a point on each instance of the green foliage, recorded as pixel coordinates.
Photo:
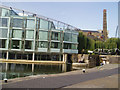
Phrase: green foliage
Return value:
(85, 44)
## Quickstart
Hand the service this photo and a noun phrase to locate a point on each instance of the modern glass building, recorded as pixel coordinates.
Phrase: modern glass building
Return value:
(27, 36)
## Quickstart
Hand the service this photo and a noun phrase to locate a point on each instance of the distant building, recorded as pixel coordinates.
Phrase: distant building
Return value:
(93, 34)
(98, 34)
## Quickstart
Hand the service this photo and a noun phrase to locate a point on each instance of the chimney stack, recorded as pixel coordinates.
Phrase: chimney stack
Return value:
(104, 25)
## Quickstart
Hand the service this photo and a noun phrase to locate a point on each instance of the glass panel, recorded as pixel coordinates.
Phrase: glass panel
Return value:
(43, 35)
(67, 46)
(51, 26)
(4, 43)
(43, 44)
(17, 22)
(16, 33)
(3, 33)
(29, 34)
(74, 46)
(13, 13)
(55, 45)
(3, 22)
(61, 36)
(43, 24)
(67, 37)
(5, 12)
(74, 38)
(16, 44)
(55, 36)
(28, 45)
(31, 23)
(0, 11)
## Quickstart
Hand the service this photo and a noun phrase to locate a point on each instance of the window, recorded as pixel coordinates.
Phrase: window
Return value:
(55, 36)
(16, 33)
(31, 23)
(0, 11)
(29, 34)
(3, 22)
(51, 26)
(28, 45)
(43, 44)
(13, 13)
(4, 43)
(16, 44)
(3, 33)
(74, 38)
(5, 12)
(74, 46)
(55, 45)
(67, 46)
(43, 24)
(43, 35)
(17, 23)
(67, 37)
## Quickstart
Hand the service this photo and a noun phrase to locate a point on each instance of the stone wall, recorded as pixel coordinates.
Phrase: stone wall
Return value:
(91, 60)
(114, 59)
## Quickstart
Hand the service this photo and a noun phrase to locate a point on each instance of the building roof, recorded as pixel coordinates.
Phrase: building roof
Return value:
(90, 31)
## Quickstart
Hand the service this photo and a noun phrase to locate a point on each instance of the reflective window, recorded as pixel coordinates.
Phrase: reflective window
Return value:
(43, 35)
(3, 33)
(3, 22)
(51, 26)
(55, 36)
(16, 44)
(13, 13)
(17, 23)
(43, 24)
(16, 33)
(29, 34)
(5, 12)
(4, 43)
(0, 11)
(31, 23)
(67, 46)
(74, 38)
(28, 45)
(55, 45)
(74, 46)
(43, 44)
(67, 37)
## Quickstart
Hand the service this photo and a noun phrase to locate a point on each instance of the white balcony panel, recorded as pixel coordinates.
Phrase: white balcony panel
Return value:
(55, 50)
(74, 51)
(42, 49)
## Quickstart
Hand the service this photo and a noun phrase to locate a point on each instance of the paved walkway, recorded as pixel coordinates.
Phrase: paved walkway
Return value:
(105, 82)
(63, 80)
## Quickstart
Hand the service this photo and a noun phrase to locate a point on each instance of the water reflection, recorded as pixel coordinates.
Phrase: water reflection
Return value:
(12, 70)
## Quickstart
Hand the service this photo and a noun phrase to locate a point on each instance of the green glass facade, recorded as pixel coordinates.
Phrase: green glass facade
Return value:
(23, 34)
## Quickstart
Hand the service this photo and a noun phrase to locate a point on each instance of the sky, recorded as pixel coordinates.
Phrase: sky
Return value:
(83, 15)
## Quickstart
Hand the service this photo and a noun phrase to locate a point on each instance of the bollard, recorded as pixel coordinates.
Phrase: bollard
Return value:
(5, 80)
(83, 70)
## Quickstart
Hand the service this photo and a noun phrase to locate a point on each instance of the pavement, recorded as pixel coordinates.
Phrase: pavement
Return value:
(101, 77)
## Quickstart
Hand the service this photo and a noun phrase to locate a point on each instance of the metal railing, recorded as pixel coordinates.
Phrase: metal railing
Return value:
(68, 26)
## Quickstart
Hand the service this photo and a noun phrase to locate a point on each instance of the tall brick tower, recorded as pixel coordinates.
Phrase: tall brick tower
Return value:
(105, 33)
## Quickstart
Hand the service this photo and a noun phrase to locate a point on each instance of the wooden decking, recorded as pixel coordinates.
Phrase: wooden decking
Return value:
(30, 61)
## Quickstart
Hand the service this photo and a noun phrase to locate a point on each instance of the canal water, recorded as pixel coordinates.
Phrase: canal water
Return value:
(13, 70)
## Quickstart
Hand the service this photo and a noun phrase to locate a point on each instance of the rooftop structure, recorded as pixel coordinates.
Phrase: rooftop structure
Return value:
(98, 34)
(29, 36)
(105, 33)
